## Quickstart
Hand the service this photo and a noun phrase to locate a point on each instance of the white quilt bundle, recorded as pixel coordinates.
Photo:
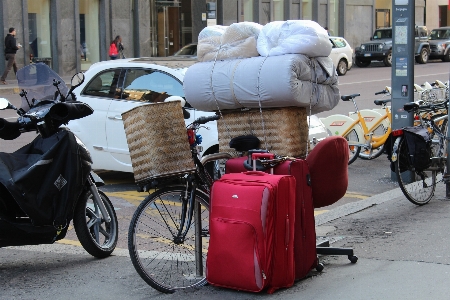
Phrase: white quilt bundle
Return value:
(224, 42)
(294, 36)
(274, 81)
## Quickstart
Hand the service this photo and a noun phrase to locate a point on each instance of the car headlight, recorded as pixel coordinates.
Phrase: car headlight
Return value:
(363, 47)
(443, 46)
(380, 46)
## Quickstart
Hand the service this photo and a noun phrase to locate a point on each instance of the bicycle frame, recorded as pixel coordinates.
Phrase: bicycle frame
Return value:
(371, 141)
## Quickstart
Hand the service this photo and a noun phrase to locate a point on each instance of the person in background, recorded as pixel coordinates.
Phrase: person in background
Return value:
(10, 53)
(116, 48)
(326, 28)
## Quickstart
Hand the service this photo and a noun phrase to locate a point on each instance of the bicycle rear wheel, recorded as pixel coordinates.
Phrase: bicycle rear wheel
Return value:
(164, 260)
(354, 151)
(418, 187)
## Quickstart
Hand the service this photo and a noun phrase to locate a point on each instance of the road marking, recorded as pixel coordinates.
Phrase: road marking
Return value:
(116, 181)
(69, 242)
(133, 197)
(355, 195)
(319, 212)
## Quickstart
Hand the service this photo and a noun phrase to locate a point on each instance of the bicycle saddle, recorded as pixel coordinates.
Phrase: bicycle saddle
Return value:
(381, 101)
(349, 97)
(244, 143)
(409, 107)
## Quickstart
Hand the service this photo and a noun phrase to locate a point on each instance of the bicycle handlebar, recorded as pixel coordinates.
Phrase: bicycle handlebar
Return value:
(204, 120)
(382, 92)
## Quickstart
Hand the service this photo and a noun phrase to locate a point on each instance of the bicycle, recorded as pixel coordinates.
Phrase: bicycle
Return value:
(418, 184)
(169, 232)
(356, 131)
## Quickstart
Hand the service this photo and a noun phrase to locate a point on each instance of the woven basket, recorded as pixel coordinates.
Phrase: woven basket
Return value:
(157, 140)
(285, 129)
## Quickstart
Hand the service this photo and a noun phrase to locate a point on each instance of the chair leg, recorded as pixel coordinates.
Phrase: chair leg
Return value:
(324, 248)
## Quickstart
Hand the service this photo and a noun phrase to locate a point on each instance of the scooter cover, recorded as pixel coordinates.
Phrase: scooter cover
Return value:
(46, 177)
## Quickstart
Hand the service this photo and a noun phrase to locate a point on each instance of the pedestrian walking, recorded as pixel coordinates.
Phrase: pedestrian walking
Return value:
(10, 53)
(116, 48)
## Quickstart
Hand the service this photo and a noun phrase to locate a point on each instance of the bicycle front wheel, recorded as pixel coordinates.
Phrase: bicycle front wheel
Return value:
(354, 151)
(418, 187)
(166, 260)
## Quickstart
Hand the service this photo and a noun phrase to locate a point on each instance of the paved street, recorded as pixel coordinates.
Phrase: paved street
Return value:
(403, 250)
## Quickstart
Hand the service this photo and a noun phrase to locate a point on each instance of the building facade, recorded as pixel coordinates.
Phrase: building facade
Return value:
(70, 35)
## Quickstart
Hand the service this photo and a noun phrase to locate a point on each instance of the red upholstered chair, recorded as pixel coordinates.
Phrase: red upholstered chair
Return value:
(328, 166)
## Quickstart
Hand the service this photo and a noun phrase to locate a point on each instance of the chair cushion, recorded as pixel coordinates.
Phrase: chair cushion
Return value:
(328, 166)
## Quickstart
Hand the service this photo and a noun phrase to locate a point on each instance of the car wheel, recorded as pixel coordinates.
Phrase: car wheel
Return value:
(447, 56)
(423, 56)
(342, 67)
(388, 59)
(362, 63)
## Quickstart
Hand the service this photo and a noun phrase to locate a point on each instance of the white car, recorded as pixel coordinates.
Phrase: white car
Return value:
(341, 54)
(113, 87)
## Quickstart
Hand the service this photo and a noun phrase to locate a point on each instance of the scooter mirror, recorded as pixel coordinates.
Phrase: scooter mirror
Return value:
(77, 79)
(4, 103)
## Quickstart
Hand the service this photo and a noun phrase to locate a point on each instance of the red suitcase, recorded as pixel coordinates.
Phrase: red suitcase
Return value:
(251, 244)
(305, 232)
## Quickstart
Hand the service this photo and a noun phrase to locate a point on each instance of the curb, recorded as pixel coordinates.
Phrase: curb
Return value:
(354, 207)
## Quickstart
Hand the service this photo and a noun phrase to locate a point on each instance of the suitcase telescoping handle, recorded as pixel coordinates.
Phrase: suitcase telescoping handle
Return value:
(256, 156)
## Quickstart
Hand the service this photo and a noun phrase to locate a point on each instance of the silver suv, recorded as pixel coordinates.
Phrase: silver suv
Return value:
(440, 43)
(380, 47)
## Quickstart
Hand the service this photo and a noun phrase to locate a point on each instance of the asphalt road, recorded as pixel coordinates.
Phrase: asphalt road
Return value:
(65, 271)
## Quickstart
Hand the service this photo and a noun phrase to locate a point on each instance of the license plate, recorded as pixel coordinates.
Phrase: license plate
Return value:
(367, 54)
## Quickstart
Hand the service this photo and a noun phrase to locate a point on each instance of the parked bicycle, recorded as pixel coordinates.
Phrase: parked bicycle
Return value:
(357, 132)
(169, 232)
(420, 166)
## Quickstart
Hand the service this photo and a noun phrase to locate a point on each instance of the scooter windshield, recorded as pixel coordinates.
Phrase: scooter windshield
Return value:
(37, 81)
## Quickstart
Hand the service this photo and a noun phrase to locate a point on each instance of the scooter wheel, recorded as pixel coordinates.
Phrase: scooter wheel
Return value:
(97, 236)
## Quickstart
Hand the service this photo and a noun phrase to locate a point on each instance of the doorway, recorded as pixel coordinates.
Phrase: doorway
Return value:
(168, 29)
(443, 15)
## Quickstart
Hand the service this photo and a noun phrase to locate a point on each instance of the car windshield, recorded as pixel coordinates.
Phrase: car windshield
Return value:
(382, 34)
(440, 34)
(188, 50)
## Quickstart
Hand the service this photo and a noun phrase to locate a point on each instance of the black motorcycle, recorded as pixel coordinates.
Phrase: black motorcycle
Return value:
(48, 183)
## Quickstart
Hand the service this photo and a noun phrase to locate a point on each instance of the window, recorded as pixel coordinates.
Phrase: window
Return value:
(104, 85)
(150, 86)
(39, 28)
(382, 34)
(340, 43)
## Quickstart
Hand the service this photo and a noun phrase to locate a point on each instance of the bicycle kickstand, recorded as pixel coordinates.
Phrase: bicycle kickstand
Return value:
(369, 144)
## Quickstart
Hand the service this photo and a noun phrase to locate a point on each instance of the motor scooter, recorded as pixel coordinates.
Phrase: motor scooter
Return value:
(49, 182)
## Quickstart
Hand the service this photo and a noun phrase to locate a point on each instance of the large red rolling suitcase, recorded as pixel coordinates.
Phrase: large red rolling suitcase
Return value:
(305, 232)
(251, 244)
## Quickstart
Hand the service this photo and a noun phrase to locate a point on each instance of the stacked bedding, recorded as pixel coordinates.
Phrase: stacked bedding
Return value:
(247, 65)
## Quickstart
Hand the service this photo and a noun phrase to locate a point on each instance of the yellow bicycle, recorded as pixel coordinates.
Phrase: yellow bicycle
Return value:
(366, 131)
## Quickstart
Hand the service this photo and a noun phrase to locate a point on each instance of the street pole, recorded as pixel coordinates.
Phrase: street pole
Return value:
(403, 28)
(447, 174)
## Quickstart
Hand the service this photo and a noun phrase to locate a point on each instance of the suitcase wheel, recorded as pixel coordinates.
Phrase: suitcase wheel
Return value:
(319, 267)
(353, 259)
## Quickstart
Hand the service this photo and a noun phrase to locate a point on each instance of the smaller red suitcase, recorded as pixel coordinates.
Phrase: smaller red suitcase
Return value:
(305, 232)
(251, 243)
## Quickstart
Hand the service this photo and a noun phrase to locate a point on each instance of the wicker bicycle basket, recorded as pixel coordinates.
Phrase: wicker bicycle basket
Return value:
(283, 131)
(157, 141)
